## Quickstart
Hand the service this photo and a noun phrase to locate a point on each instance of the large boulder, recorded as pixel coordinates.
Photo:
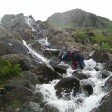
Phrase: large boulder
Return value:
(100, 56)
(30, 107)
(80, 75)
(58, 68)
(46, 74)
(11, 46)
(50, 108)
(66, 86)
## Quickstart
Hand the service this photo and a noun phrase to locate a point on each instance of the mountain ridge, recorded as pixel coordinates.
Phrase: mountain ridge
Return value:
(78, 18)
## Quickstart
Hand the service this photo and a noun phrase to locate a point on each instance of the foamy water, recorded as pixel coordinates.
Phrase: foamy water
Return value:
(88, 103)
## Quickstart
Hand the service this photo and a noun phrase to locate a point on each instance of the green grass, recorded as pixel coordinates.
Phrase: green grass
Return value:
(8, 71)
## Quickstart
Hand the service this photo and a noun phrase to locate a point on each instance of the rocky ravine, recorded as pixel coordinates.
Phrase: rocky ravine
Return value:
(45, 87)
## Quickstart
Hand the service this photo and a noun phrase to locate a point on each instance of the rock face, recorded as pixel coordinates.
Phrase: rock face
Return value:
(66, 85)
(30, 107)
(46, 74)
(11, 46)
(108, 65)
(78, 18)
(15, 22)
(100, 56)
(106, 104)
(108, 84)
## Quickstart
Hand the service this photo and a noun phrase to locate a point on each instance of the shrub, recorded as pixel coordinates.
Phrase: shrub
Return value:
(8, 70)
(106, 46)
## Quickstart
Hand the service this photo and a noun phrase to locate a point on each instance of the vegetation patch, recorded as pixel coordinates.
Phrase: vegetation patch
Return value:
(8, 70)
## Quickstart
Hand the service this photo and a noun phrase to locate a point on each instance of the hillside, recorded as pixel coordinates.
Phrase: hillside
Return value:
(78, 18)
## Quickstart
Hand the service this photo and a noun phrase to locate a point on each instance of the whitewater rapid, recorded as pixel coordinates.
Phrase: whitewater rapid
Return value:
(72, 105)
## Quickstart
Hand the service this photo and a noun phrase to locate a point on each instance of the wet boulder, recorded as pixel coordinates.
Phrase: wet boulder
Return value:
(78, 74)
(30, 107)
(87, 87)
(66, 86)
(99, 67)
(108, 65)
(100, 56)
(58, 68)
(46, 74)
(103, 74)
(50, 108)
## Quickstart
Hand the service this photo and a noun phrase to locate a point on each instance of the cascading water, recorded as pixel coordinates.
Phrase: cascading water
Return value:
(37, 55)
(72, 105)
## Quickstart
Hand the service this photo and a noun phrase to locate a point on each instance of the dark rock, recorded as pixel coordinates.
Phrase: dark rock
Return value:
(21, 94)
(38, 97)
(108, 65)
(58, 68)
(100, 56)
(99, 67)
(27, 80)
(103, 74)
(108, 84)
(79, 75)
(88, 89)
(105, 104)
(30, 107)
(46, 74)
(11, 46)
(66, 85)
(50, 108)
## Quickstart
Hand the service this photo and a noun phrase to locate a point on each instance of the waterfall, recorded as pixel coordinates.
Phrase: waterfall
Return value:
(37, 55)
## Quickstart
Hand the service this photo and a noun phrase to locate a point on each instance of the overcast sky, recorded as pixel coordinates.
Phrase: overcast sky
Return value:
(42, 9)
